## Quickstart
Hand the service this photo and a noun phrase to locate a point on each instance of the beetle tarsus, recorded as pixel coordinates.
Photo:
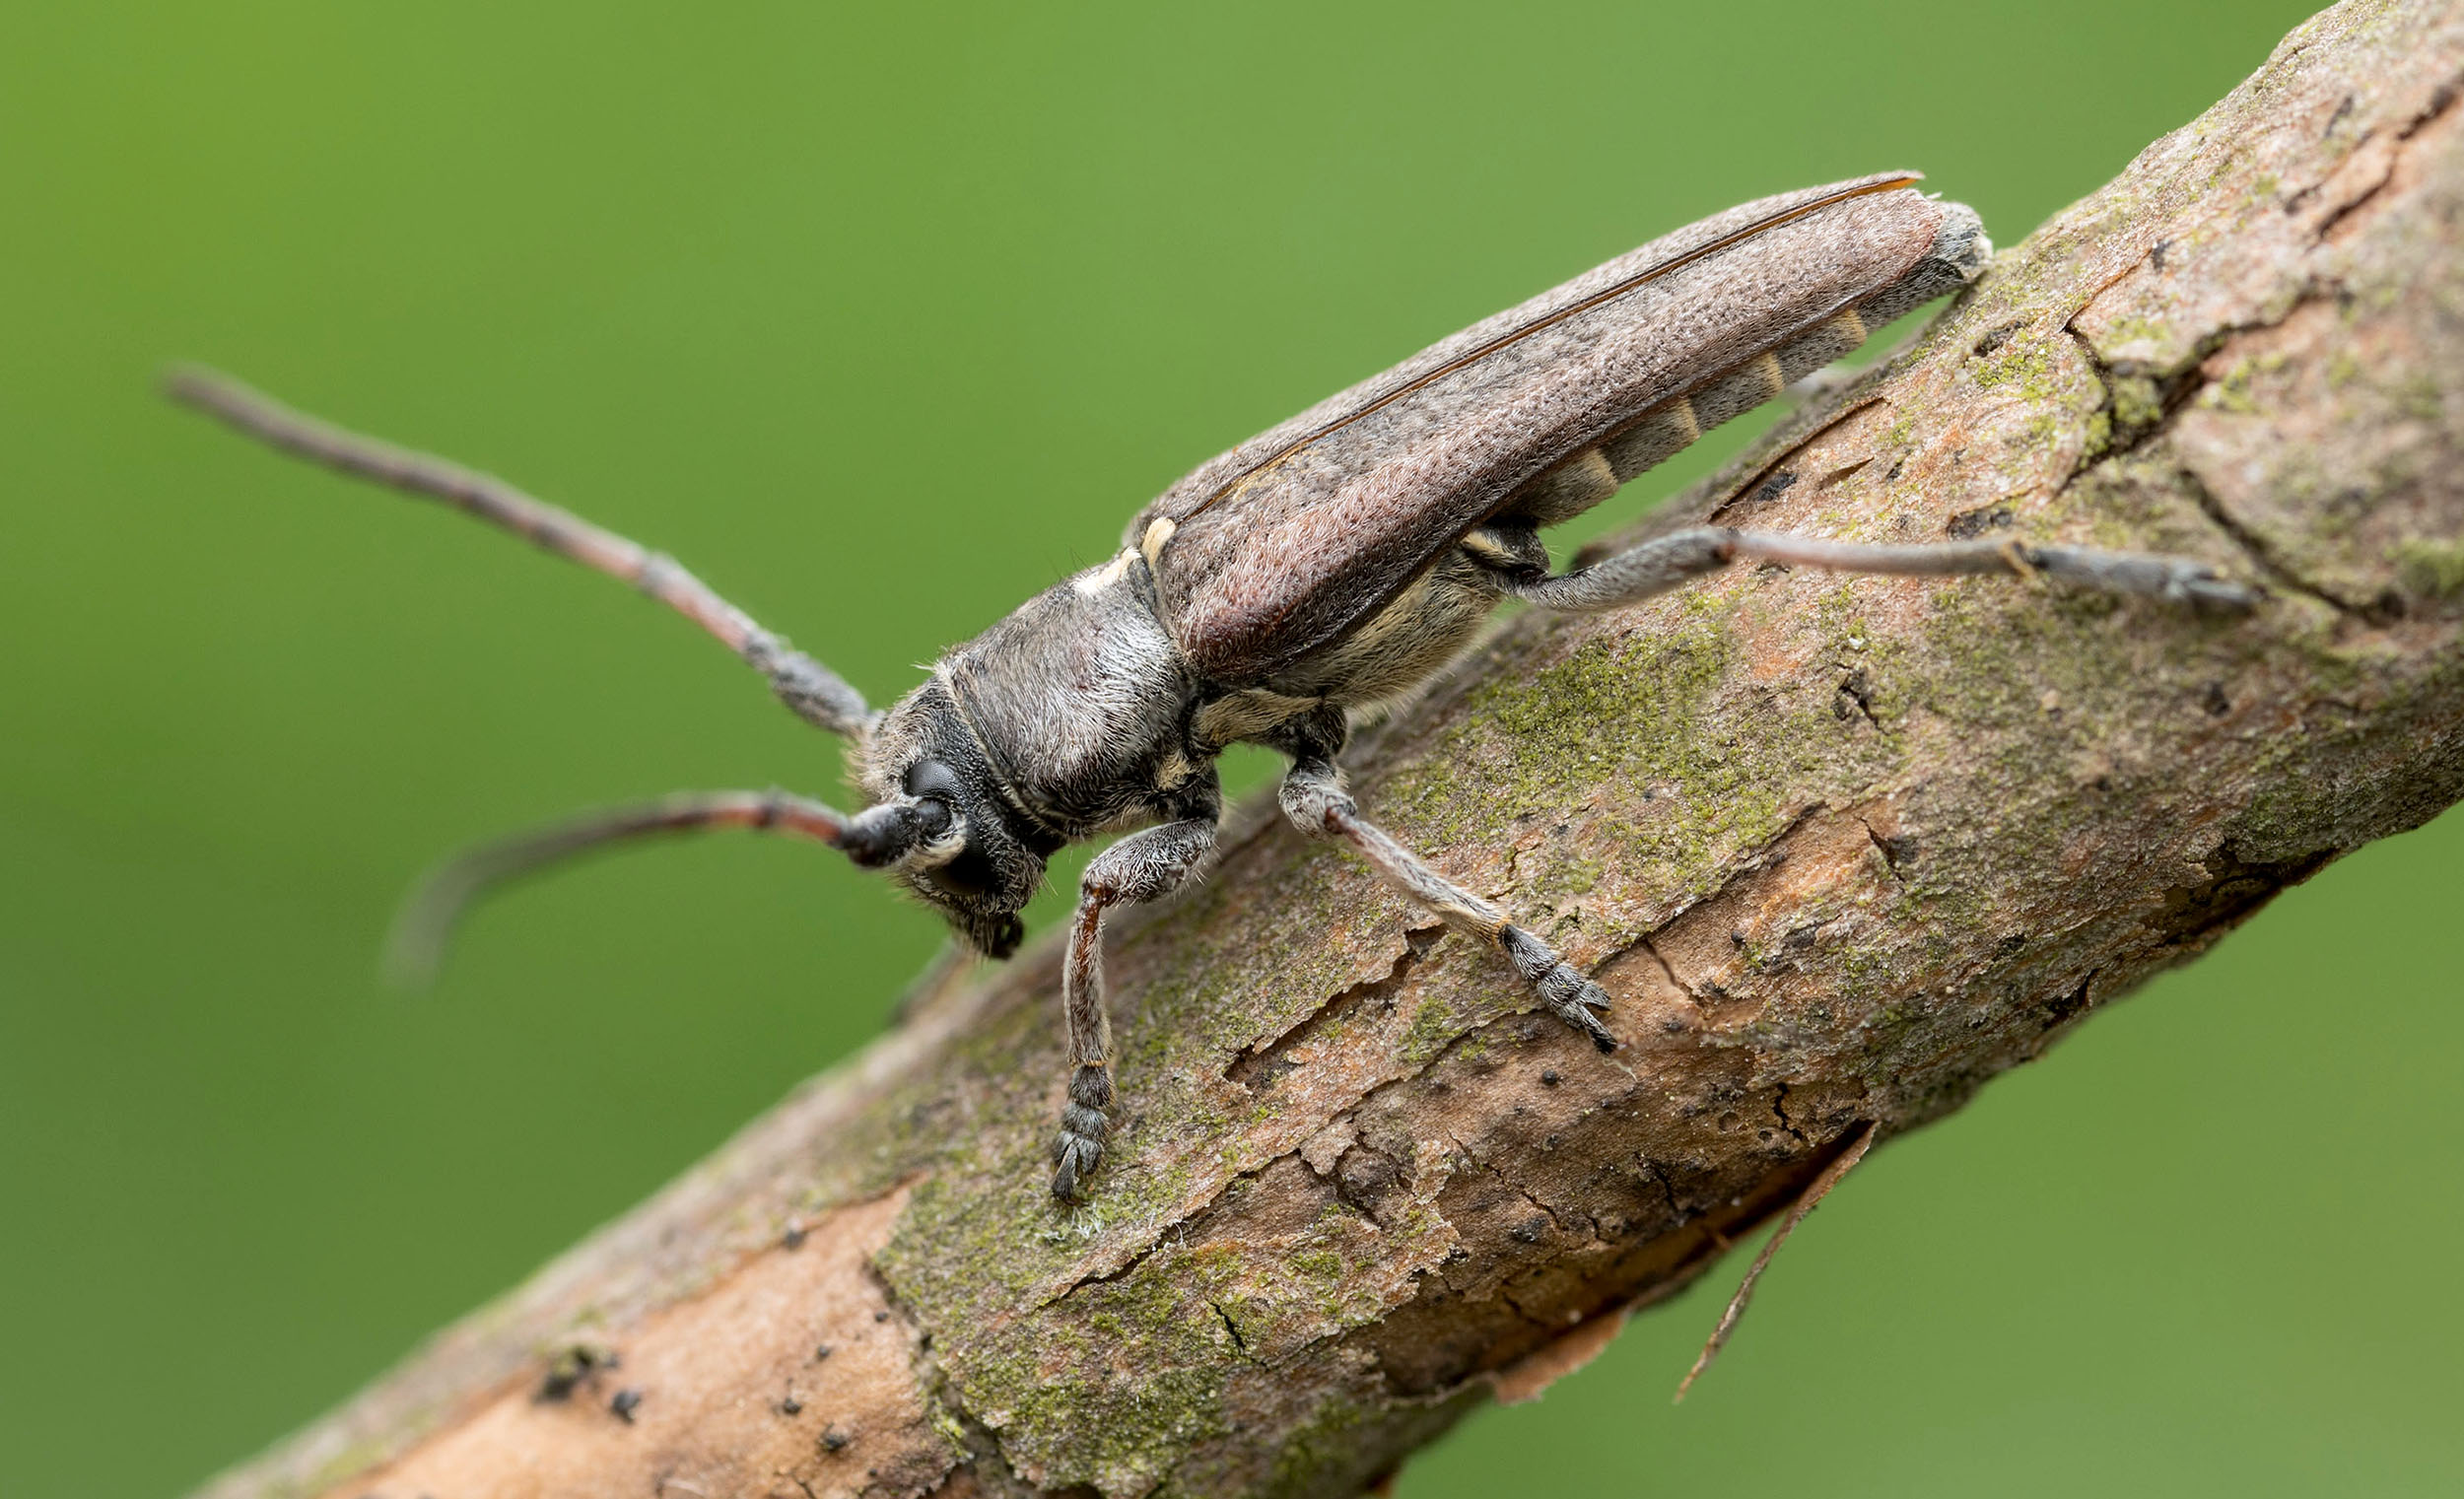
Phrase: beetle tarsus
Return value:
(2175, 580)
(1575, 999)
(1313, 797)
(1077, 1149)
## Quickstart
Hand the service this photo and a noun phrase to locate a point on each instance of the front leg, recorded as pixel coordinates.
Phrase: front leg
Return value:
(1314, 798)
(1144, 866)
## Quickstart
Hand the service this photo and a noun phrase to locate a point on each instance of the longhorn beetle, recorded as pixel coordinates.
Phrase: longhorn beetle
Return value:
(1329, 564)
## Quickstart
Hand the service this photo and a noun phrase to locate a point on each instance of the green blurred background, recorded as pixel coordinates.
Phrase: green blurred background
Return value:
(881, 319)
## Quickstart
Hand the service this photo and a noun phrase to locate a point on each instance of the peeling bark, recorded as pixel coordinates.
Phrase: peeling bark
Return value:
(1841, 851)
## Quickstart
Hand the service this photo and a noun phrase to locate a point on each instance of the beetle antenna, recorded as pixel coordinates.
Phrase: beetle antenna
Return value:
(815, 693)
(415, 948)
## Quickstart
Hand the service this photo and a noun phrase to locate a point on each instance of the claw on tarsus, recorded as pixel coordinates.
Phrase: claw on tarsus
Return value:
(1573, 997)
(1580, 1016)
(1083, 1125)
(1076, 1156)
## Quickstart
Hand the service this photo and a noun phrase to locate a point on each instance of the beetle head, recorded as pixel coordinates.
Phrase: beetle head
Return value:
(941, 826)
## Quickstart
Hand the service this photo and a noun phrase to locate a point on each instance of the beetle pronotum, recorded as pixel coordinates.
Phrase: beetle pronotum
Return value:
(1320, 568)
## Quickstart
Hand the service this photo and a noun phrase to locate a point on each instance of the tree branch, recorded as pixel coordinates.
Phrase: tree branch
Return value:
(1841, 851)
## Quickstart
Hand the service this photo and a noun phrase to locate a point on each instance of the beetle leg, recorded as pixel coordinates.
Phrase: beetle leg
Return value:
(1629, 577)
(1667, 562)
(1146, 865)
(1314, 798)
(2175, 580)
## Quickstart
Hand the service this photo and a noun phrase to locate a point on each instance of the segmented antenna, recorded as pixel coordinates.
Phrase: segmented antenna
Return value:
(415, 948)
(815, 693)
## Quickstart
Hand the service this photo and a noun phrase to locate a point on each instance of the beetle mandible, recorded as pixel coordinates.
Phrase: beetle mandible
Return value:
(1319, 569)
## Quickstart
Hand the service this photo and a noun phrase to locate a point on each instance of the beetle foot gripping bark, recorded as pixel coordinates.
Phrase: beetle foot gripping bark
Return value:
(1575, 999)
(1083, 1125)
(1314, 798)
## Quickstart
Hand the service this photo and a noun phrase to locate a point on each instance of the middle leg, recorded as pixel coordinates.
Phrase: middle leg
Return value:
(1314, 798)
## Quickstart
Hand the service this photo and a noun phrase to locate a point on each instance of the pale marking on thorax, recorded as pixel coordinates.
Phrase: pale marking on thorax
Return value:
(1096, 580)
(1152, 543)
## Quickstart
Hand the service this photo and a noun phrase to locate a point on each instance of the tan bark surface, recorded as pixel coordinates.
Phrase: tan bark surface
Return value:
(1843, 850)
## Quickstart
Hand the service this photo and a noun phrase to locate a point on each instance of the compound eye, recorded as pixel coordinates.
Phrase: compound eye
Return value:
(930, 779)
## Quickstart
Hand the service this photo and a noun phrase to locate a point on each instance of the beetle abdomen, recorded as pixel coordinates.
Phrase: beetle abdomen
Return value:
(1578, 483)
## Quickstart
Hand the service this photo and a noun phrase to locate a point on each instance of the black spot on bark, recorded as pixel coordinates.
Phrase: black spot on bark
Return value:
(1364, 1179)
(1975, 522)
(577, 1365)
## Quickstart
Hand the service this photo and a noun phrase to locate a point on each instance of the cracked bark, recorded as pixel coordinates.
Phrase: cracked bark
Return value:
(1843, 850)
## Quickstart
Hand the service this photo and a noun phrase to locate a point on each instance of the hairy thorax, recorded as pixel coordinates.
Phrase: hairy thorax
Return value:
(1080, 698)
(1094, 718)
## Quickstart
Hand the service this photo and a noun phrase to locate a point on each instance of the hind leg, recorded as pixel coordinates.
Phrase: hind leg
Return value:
(1669, 562)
